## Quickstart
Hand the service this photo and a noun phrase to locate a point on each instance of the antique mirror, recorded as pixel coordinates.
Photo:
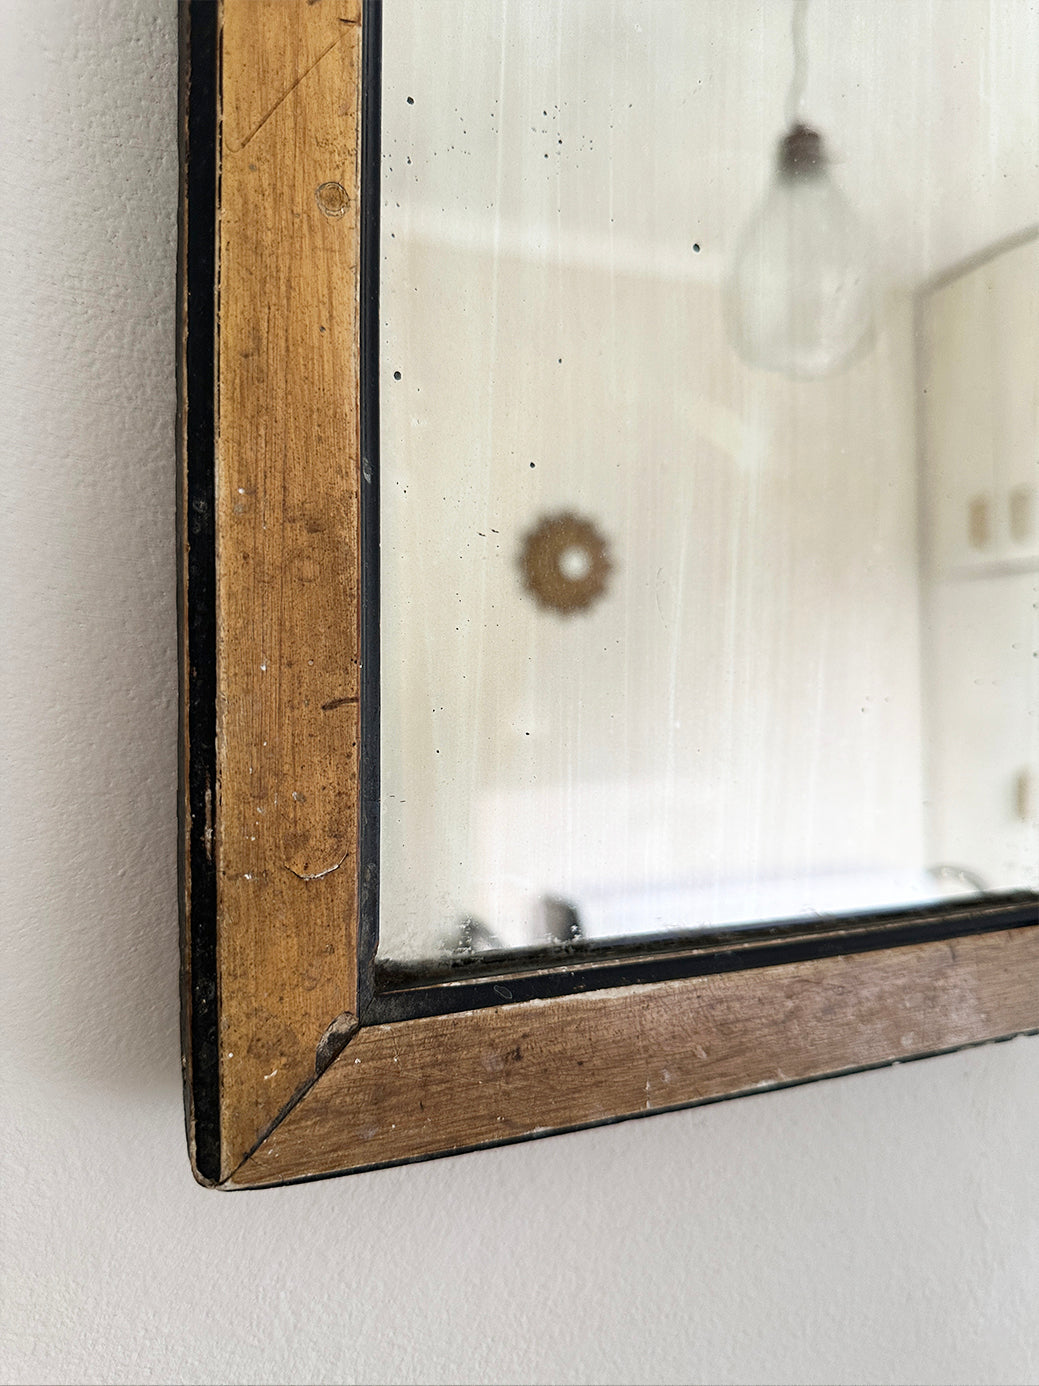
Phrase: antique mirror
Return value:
(610, 524)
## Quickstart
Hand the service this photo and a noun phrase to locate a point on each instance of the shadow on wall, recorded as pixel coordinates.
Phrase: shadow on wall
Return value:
(89, 839)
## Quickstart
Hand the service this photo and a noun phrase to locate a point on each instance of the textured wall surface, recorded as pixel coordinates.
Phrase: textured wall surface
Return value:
(878, 1228)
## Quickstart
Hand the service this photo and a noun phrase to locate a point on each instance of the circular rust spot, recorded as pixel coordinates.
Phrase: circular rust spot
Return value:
(565, 563)
(333, 199)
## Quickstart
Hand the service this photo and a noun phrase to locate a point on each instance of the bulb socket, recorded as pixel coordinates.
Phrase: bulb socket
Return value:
(801, 153)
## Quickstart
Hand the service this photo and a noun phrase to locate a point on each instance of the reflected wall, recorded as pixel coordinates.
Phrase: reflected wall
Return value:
(669, 641)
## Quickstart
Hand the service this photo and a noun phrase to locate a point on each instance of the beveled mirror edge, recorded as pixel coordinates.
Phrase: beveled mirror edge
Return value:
(314, 1095)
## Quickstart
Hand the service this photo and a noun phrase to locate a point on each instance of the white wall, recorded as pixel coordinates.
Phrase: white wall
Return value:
(743, 704)
(879, 1228)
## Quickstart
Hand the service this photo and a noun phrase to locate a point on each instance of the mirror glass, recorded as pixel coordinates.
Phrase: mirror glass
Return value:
(708, 463)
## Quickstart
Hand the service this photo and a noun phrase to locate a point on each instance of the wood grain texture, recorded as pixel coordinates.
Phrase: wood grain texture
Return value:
(411, 1089)
(287, 551)
(289, 39)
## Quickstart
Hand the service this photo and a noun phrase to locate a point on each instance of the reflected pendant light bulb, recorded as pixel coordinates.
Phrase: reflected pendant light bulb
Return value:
(800, 296)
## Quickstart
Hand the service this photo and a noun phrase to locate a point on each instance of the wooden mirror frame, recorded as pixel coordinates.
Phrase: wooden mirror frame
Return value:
(298, 1063)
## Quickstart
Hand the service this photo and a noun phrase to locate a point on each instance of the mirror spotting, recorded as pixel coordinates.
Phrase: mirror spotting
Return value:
(709, 441)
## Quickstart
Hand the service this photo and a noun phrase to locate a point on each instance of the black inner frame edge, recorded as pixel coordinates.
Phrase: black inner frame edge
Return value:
(368, 806)
(389, 991)
(196, 573)
(570, 969)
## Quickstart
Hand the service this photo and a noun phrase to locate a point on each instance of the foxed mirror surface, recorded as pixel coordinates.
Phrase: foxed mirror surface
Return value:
(708, 457)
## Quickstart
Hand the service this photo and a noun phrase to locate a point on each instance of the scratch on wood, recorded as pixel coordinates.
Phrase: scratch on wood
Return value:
(337, 702)
(285, 96)
(317, 875)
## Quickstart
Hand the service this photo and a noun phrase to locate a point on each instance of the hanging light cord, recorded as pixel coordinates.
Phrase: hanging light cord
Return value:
(796, 91)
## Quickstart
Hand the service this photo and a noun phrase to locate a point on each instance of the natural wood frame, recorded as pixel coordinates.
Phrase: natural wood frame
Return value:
(292, 1069)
